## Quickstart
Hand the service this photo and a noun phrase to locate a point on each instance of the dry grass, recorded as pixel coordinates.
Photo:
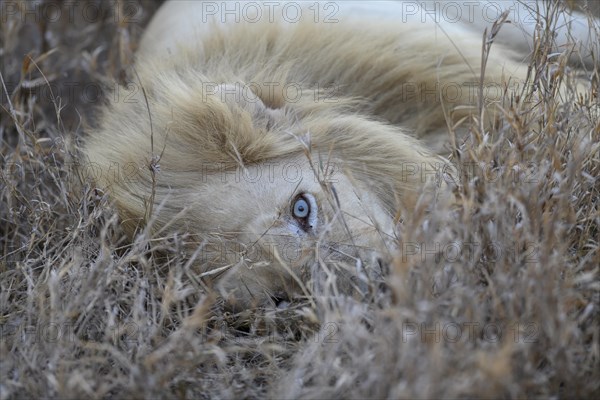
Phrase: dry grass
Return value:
(497, 297)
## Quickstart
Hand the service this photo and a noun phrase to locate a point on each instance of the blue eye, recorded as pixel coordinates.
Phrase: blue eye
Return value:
(305, 210)
(301, 208)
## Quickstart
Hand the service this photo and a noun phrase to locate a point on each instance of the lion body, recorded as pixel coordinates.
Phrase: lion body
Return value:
(235, 120)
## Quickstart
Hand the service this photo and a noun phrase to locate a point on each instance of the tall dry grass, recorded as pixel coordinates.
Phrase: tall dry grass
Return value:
(495, 296)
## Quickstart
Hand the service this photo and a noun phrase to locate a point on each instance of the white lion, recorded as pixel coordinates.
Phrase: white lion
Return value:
(281, 136)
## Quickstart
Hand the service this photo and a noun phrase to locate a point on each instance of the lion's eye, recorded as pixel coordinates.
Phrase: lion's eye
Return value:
(301, 208)
(304, 209)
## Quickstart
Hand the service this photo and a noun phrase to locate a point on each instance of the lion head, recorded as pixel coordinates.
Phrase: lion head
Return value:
(278, 198)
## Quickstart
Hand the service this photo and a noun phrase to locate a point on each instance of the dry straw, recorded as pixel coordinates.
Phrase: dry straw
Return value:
(497, 296)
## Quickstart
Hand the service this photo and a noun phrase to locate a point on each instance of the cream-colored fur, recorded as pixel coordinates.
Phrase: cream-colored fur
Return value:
(230, 122)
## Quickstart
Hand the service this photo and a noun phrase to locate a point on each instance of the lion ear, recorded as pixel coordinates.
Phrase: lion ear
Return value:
(241, 96)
